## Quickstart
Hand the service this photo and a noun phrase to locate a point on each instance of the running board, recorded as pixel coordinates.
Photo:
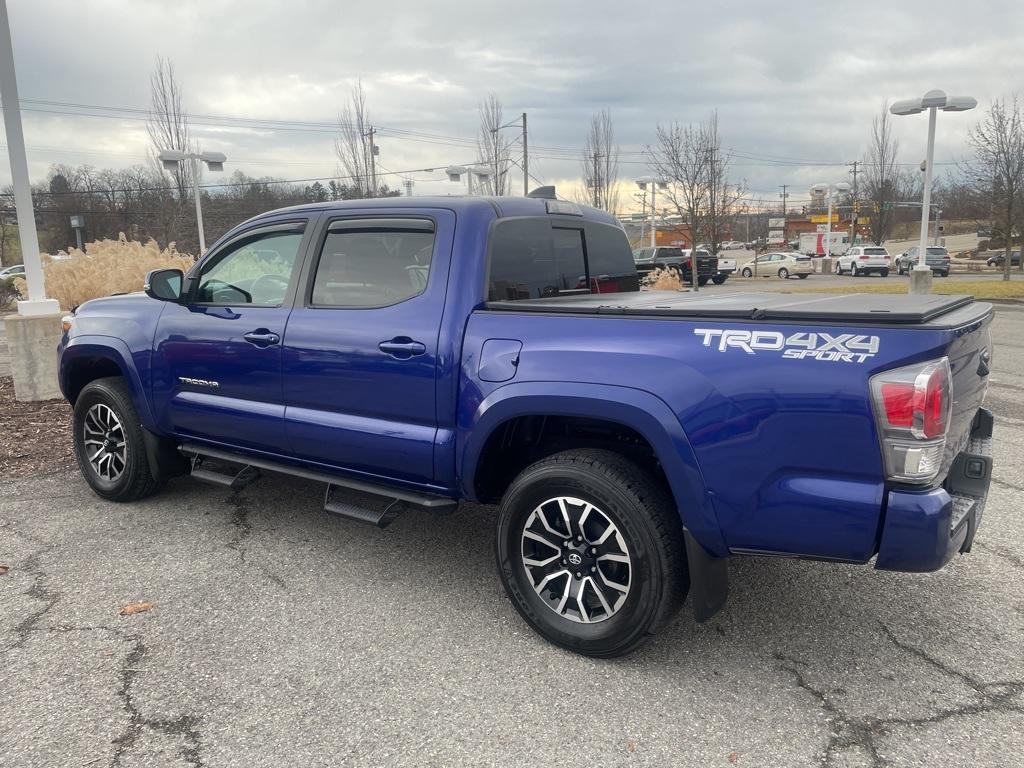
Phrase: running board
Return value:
(398, 497)
(381, 518)
(236, 482)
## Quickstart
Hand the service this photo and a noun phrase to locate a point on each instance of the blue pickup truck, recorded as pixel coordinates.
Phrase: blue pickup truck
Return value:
(414, 352)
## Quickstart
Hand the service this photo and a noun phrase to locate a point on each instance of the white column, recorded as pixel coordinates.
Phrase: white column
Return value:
(37, 303)
(926, 202)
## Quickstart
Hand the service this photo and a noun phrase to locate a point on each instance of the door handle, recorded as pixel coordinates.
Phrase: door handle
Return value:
(402, 347)
(261, 337)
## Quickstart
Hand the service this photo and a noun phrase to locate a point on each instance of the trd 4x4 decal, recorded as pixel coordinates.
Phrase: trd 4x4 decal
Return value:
(841, 348)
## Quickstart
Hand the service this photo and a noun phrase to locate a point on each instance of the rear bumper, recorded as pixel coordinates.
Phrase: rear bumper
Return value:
(924, 529)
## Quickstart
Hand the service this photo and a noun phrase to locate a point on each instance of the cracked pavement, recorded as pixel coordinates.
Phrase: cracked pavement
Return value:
(282, 636)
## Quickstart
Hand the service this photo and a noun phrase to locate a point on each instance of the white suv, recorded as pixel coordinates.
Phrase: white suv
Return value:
(863, 260)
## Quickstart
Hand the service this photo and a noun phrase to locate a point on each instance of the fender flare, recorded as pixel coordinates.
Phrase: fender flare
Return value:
(637, 409)
(115, 350)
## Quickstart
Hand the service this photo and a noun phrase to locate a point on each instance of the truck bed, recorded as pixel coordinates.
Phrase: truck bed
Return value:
(856, 309)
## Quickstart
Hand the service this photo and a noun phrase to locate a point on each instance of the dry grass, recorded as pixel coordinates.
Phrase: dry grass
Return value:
(662, 279)
(105, 267)
(979, 289)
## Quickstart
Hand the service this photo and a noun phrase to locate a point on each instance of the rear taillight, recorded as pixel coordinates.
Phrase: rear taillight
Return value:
(864, 257)
(912, 407)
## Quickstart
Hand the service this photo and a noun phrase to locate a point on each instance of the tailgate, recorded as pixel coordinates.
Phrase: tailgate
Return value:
(970, 358)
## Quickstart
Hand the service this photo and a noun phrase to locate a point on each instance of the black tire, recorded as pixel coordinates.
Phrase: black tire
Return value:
(747, 272)
(943, 274)
(802, 277)
(784, 273)
(899, 269)
(702, 281)
(135, 481)
(854, 271)
(718, 279)
(884, 272)
(646, 517)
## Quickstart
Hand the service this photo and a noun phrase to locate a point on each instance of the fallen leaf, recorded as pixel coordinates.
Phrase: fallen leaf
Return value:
(733, 757)
(4, 569)
(631, 746)
(133, 608)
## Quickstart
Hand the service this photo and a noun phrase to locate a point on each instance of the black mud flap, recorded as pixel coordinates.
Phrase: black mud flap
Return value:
(709, 579)
(163, 457)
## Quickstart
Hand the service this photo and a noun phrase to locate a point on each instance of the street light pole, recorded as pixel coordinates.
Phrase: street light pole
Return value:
(37, 303)
(933, 101)
(199, 207)
(213, 160)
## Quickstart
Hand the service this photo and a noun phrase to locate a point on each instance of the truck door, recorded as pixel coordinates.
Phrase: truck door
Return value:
(360, 352)
(216, 366)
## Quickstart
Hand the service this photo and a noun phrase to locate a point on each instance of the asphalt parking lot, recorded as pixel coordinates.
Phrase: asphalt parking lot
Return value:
(280, 636)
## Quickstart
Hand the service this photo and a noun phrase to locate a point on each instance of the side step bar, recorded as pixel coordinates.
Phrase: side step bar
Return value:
(398, 498)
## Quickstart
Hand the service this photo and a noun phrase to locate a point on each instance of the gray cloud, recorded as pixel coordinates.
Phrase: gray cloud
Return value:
(799, 82)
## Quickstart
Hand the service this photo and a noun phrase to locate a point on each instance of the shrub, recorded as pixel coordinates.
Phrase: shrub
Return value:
(663, 279)
(104, 268)
(8, 291)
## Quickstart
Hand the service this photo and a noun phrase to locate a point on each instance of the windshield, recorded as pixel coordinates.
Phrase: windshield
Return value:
(937, 252)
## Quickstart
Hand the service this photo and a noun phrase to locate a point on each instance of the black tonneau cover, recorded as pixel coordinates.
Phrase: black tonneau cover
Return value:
(856, 308)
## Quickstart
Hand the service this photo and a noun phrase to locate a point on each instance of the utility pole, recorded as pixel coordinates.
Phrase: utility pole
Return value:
(784, 196)
(856, 206)
(373, 163)
(526, 162)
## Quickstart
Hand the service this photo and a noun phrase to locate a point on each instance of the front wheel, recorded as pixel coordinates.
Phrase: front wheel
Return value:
(854, 270)
(590, 550)
(783, 273)
(108, 442)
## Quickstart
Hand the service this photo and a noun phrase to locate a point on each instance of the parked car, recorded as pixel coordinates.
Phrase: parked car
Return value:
(433, 350)
(726, 267)
(864, 260)
(984, 232)
(678, 259)
(935, 256)
(16, 270)
(779, 263)
(996, 260)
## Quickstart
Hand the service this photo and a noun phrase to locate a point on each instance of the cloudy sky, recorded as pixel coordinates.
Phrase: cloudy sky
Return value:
(795, 85)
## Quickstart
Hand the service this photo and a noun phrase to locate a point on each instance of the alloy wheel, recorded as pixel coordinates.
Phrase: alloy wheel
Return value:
(577, 559)
(104, 440)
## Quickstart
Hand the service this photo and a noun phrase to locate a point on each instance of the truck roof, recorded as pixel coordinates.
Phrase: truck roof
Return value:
(502, 207)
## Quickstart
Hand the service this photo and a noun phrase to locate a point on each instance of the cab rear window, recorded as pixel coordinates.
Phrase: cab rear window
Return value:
(540, 257)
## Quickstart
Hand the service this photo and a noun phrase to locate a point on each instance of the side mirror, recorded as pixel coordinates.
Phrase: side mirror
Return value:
(164, 284)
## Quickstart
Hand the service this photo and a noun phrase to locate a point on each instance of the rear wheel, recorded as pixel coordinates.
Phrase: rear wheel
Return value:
(108, 442)
(783, 273)
(702, 281)
(718, 279)
(884, 272)
(802, 277)
(590, 551)
(747, 272)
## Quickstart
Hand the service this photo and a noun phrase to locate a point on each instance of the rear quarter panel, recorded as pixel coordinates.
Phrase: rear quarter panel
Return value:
(786, 449)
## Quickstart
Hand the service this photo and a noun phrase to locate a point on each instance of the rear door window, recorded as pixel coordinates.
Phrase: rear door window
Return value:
(373, 262)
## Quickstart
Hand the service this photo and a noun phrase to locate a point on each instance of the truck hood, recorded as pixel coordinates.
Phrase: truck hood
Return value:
(132, 302)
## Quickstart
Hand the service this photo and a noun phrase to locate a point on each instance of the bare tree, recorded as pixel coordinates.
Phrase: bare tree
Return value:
(690, 160)
(354, 145)
(998, 167)
(885, 183)
(493, 149)
(600, 163)
(168, 124)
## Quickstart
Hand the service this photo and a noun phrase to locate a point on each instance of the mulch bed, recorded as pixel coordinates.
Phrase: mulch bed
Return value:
(35, 437)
